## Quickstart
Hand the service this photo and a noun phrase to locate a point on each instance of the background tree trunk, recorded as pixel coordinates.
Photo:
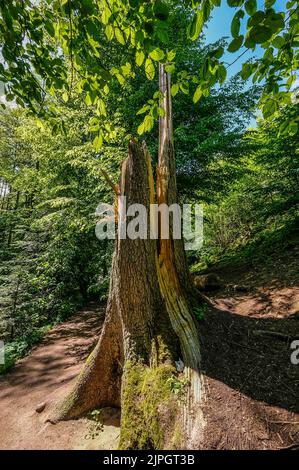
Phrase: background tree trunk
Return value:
(149, 323)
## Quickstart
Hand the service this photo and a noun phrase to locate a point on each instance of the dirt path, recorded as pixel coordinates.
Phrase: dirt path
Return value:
(252, 387)
(47, 374)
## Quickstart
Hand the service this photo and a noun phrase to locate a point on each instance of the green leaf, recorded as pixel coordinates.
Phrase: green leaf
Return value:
(249, 43)
(50, 28)
(291, 80)
(146, 125)
(246, 71)
(119, 36)
(149, 27)
(98, 142)
(170, 68)
(162, 35)
(92, 29)
(196, 26)
(139, 58)
(157, 55)
(133, 3)
(206, 10)
(218, 53)
(126, 69)
(106, 15)
(140, 129)
(65, 96)
(283, 128)
(94, 128)
(260, 34)
(184, 87)
(170, 56)
(256, 19)
(205, 69)
(269, 108)
(88, 99)
(197, 95)
(235, 44)
(174, 89)
(101, 107)
(10, 97)
(7, 17)
(250, 7)
(143, 110)
(120, 78)
(149, 69)
(221, 74)
(293, 128)
(278, 42)
(235, 25)
(274, 21)
(109, 31)
(234, 3)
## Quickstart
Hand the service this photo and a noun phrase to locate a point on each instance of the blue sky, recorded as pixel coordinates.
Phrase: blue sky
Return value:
(219, 26)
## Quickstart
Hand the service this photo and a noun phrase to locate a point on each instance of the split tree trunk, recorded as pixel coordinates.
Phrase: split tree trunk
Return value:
(149, 323)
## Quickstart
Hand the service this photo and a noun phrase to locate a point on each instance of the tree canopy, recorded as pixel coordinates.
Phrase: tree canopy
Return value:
(60, 47)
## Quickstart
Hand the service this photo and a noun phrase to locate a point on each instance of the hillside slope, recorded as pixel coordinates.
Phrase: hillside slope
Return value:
(252, 386)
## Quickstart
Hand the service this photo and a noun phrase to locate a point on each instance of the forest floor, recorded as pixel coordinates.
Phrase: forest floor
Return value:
(252, 388)
(44, 376)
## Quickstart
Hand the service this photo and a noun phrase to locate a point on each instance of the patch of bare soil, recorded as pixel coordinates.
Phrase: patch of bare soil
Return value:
(46, 375)
(252, 387)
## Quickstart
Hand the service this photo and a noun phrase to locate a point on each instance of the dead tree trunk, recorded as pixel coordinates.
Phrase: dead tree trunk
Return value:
(149, 323)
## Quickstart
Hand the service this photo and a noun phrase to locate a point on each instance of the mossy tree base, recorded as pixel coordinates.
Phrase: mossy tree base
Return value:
(151, 411)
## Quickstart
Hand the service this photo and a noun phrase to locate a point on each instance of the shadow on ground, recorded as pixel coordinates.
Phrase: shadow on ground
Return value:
(253, 356)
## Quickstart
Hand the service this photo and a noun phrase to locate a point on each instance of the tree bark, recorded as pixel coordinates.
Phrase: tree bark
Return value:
(149, 323)
(175, 282)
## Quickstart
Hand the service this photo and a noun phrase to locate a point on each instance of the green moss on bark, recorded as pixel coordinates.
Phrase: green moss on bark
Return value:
(150, 410)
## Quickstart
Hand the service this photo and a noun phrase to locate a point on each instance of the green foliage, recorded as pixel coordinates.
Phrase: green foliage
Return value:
(179, 386)
(196, 25)
(200, 311)
(208, 141)
(84, 48)
(86, 72)
(236, 44)
(51, 260)
(260, 209)
(277, 32)
(15, 350)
